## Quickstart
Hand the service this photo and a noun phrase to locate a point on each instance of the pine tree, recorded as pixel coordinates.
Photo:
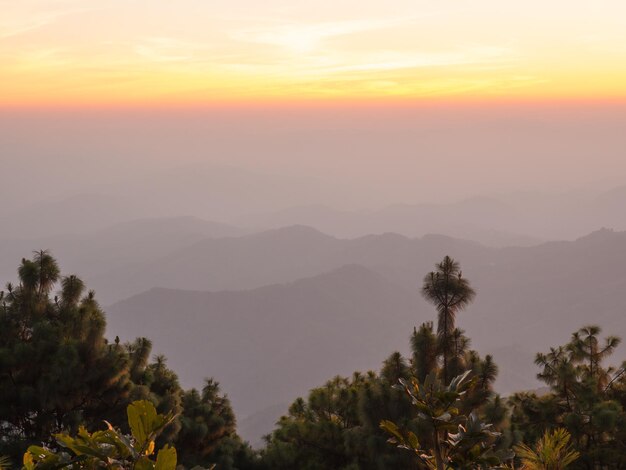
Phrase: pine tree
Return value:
(58, 372)
(56, 368)
(586, 398)
(208, 434)
(450, 293)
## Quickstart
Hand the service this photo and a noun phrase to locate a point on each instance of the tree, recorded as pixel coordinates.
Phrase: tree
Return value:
(585, 348)
(552, 452)
(207, 433)
(313, 434)
(59, 373)
(586, 398)
(337, 425)
(473, 445)
(110, 448)
(56, 368)
(450, 293)
(424, 347)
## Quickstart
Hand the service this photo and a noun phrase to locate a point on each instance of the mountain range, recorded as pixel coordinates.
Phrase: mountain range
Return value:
(289, 306)
(357, 300)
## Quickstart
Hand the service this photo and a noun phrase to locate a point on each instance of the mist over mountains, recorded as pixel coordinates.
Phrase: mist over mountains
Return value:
(358, 301)
(256, 201)
(93, 251)
(299, 329)
(333, 290)
(297, 302)
(232, 233)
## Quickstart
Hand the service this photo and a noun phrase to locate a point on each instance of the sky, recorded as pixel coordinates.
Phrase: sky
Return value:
(354, 103)
(242, 111)
(195, 52)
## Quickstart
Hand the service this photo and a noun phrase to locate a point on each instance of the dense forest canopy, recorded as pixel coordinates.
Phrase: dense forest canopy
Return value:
(58, 372)
(435, 408)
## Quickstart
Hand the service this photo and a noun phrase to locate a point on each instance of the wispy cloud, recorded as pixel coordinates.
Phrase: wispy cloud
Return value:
(8, 30)
(164, 49)
(336, 48)
(331, 62)
(303, 37)
(413, 60)
(24, 16)
(309, 49)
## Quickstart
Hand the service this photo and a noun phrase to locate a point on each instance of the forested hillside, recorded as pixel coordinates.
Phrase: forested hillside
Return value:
(59, 373)
(334, 323)
(434, 406)
(525, 296)
(296, 235)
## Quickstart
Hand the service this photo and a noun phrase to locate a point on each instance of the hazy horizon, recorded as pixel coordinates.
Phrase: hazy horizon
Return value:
(365, 157)
(261, 189)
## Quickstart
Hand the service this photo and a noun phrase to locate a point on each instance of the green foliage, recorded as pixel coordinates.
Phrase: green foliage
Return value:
(207, 431)
(145, 423)
(450, 292)
(553, 451)
(586, 399)
(110, 448)
(424, 346)
(458, 441)
(60, 378)
(57, 371)
(59, 374)
(5, 462)
(338, 425)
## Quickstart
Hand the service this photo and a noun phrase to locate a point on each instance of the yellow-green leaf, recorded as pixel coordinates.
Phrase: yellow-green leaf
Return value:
(143, 420)
(144, 463)
(28, 462)
(166, 459)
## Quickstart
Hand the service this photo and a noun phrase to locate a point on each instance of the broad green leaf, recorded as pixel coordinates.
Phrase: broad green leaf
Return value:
(28, 462)
(413, 442)
(144, 463)
(39, 452)
(121, 442)
(458, 381)
(444, 417)
(143, 420)
(392, 429)
(91, 451)
(166, 459)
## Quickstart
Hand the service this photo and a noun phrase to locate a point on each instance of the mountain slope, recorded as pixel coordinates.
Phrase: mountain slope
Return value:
(94, 252)
(270, 345)
(275, 256)
(484, 220)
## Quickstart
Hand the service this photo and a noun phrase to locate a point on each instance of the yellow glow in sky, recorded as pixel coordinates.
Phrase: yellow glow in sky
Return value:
(202, 51)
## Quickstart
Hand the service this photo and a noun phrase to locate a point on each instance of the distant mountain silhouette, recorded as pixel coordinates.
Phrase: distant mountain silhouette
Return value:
(275, 256)
(518, 219)
(93, 252)
(269, 344)
(477, 219)
(257, 201)
(71, 215)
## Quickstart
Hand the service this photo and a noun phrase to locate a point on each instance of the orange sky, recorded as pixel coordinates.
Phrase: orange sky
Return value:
(87, 52)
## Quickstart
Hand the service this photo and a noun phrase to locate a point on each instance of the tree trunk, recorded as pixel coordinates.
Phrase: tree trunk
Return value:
(438, 455)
